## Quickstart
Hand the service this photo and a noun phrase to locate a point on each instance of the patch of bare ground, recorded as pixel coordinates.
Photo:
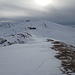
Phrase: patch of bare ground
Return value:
(65, 53)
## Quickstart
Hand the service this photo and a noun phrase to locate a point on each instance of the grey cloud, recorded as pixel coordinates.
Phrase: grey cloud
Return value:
(61, 11)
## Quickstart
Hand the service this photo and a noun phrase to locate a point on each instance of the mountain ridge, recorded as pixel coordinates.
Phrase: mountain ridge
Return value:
(41, 28)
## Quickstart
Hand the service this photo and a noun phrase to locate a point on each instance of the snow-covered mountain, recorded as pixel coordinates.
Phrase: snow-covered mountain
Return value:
(28, 47)
(12, 33)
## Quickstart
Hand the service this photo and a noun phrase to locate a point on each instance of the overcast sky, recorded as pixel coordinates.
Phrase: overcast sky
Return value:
(61, 11)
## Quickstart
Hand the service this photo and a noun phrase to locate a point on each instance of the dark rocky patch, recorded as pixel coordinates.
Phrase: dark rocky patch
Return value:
(49, 40)
(28, 20)
(2, 40)
(22, 35)
(32, 28)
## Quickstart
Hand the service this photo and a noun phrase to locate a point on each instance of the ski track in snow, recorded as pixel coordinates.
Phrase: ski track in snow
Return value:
(41, 64)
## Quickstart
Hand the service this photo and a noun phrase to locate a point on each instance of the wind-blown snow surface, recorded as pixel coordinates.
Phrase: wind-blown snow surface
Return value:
(35, 56)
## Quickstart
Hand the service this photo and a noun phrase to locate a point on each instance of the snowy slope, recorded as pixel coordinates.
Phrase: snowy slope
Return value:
(34, 58)
(29, 52)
